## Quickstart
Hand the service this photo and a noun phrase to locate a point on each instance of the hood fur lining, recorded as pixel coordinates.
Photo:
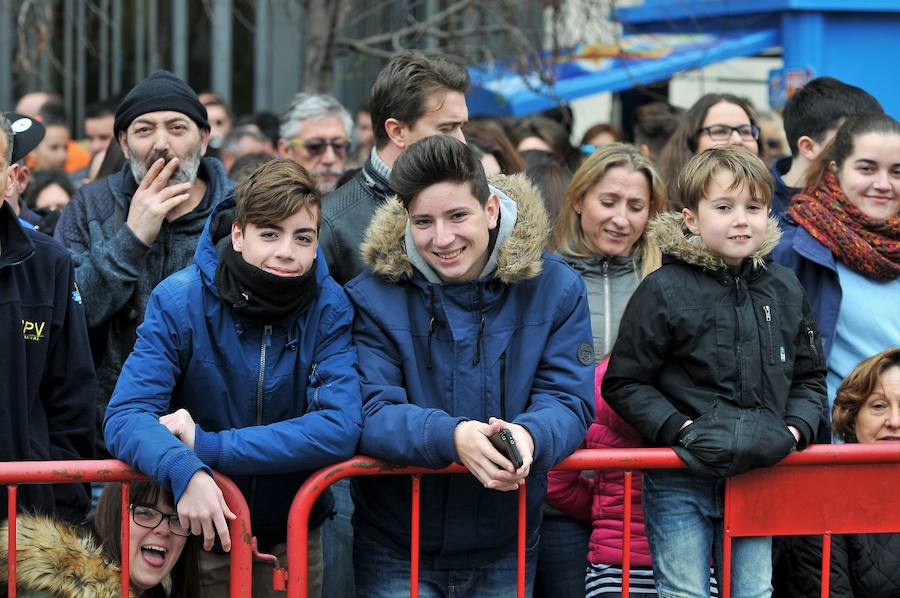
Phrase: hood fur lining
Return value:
(384, 249)
(52, 556)
(667, 231)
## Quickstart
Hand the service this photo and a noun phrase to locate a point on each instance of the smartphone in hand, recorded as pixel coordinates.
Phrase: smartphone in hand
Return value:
(504, 442)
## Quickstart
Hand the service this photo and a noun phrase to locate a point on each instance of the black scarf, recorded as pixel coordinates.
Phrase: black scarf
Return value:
(257, 295)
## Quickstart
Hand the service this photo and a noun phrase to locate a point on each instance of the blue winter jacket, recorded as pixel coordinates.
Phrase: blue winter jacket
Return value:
(515, 344)
(271, 403)
(814, 265)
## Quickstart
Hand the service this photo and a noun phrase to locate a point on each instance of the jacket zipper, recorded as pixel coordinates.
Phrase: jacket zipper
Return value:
(768, 312)
(607, 307)
(503, 386)
(260, 387)
(740, 359)
(812, 345)
(318, 382)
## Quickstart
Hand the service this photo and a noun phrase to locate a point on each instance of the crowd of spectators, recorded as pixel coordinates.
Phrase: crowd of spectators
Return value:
(189, 289)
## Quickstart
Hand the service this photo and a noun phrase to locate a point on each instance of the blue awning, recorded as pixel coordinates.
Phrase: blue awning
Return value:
(639, 59)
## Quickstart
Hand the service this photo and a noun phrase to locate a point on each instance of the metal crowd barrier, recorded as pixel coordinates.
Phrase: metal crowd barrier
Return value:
(825, 489)
(14, 474)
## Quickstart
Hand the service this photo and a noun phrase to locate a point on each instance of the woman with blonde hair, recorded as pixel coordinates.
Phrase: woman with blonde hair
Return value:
(600, 233)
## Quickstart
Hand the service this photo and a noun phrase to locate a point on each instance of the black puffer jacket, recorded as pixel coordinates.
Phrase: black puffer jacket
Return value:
(734, 349)
(862, 566)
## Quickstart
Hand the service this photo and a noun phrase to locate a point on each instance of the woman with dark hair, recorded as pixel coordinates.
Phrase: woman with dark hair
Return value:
(538, 134)
(866, 410)
(842, 240)
(715, 120)
(49, 190)
(161, 552)
(552, 180)
(490, 139)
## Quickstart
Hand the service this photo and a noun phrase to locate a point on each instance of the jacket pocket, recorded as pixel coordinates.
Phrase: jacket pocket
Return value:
(710, 440)
(772, 440)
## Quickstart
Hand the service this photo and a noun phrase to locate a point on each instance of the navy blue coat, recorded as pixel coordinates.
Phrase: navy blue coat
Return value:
(530, 363)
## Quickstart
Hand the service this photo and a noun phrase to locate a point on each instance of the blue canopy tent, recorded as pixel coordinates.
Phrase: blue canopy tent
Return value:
(639, 59)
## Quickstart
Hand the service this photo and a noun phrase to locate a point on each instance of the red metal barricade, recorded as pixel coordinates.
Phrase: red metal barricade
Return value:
(825, 489)
(783, 500)
(14, 474)
(298, 520)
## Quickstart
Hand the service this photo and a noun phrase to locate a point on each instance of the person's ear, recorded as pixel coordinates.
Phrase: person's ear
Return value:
(204, 141)
(690, 220)
(396, 132)
(833, 167)
(645, 149)
(808, 148)
(578, 205)
(492, 210)
(237, 237)
(20, 175)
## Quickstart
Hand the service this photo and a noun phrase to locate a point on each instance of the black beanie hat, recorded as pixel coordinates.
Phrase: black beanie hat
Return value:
(160, 91)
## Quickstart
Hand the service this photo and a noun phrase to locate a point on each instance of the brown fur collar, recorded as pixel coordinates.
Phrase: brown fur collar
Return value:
(52, 556)
(667, 232)
(384, 249)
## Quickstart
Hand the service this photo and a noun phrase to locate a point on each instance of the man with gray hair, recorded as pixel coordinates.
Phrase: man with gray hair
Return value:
(315, 133)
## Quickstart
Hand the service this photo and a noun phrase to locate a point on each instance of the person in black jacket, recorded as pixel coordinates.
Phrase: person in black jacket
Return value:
(867, 409)
(718, 356)
(47, 401)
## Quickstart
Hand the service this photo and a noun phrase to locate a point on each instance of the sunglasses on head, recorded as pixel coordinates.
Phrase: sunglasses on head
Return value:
(317, 146)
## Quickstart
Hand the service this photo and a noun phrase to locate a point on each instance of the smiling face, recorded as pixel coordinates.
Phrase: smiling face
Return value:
(878, 419)
(614, 211)
(286, 248)
(731, 222)
(870, 176)
(153, 552)
(451, 229)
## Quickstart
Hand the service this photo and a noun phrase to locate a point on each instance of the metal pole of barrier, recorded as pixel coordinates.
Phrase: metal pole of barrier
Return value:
(520, 549)
(826, 564)
(626, 537)
(124, 554)
(414, 532)
(725, 585)
(241, 538)
(11, 538)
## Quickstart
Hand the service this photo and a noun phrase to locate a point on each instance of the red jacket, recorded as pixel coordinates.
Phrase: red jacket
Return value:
(601, 499)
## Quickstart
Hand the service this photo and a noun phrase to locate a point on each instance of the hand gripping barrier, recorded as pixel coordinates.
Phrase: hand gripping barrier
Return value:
(316, 484)
(17, 473)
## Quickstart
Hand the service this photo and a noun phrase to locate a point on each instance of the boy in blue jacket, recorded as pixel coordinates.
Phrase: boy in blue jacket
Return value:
(464, 326)
(244, 364)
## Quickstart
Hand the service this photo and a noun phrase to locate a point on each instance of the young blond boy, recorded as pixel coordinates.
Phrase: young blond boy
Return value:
(719, 358)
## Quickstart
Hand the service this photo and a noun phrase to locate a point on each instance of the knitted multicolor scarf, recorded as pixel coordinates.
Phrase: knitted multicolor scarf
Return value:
(870, 247)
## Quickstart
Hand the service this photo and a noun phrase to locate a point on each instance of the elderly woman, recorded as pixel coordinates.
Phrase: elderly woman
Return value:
(842, 240)
(867, 409)
(600, 233)
(162, 555)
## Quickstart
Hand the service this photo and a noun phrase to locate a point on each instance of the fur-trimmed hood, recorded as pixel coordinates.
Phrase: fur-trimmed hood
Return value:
(51, 556)
(518, 255)
(667, 232)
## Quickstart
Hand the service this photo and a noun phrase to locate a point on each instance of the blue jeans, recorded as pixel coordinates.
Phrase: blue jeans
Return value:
(384, 573)
(684, 515)
(562, 557)
(337, 544)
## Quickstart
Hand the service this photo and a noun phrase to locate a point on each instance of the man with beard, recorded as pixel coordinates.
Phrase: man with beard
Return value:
(133, 229)
(315, 132)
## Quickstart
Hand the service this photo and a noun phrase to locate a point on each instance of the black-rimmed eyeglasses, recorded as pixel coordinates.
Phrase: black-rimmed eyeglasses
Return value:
(723, 132)
(151, 518)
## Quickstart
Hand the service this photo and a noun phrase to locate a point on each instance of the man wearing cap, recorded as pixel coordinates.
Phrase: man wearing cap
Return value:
(47, 403)
(136, 227)
(27, 135)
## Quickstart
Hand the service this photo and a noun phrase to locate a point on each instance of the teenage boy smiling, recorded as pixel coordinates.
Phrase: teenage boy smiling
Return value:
(464, 326)
(244, 364)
